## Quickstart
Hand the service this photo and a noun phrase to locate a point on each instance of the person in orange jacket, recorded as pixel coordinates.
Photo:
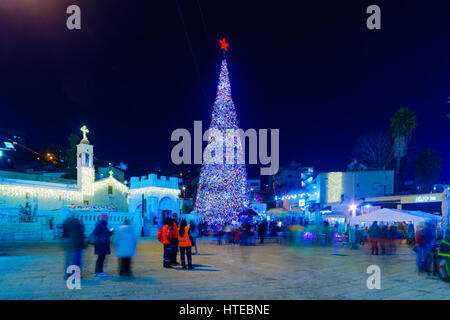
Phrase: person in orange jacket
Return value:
(185, 244)
(164, 236)
(174, 240)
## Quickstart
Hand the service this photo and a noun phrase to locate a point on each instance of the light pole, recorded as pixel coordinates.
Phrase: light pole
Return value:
(353, 209)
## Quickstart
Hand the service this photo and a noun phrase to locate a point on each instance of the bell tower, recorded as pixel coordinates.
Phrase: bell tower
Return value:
(85, 166)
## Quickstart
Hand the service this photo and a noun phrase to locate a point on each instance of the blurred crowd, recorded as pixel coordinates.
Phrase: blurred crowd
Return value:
(178, 236)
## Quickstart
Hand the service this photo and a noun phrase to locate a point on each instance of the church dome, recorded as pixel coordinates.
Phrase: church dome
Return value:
(84, 141)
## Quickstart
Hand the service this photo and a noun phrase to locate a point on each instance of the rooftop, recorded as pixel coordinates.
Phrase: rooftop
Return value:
(34, 177)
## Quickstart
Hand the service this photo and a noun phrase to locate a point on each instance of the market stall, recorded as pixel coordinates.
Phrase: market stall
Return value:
(394, 215)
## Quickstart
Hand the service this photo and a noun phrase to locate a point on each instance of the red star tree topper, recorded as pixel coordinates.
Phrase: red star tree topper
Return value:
(223, 44)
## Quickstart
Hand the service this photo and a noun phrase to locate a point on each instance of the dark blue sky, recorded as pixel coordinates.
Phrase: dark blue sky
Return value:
(314, 71)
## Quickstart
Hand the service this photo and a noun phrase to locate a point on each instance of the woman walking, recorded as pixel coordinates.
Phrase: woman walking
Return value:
(102, 244)
(185, 245)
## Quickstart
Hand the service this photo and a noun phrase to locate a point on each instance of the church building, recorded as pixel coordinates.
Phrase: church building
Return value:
(51, 193)
(146, 203)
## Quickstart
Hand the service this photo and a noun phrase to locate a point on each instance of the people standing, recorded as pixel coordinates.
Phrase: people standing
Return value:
(125, 241)
(374, 234)
(392, 238)
(73, 239)
(354, 232)
(165, 236)
(227, 230)
(102, 244)
(237, 235)
(51, 225)
(185, 244)
(411, 233)
(419, 248)
(193, 232)
(261, 231)
(429, 239)
(383, 238)
(174, 240)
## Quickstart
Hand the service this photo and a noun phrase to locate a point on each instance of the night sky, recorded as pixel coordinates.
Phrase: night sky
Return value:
(314, 71)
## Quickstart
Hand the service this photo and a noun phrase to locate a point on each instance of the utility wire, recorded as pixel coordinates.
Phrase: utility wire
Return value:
(180, 13)
(204, 28)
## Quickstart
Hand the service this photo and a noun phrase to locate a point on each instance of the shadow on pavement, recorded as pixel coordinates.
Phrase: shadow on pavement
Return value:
(201, 265)
(196, 269)
(96, 280)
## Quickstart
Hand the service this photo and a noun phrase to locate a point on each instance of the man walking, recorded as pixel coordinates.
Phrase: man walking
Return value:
(73, 239)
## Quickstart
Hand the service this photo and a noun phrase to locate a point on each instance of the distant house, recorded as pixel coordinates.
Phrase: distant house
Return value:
(334, 188)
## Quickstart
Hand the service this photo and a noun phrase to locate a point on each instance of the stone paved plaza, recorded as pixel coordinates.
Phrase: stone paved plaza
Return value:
(35, 271)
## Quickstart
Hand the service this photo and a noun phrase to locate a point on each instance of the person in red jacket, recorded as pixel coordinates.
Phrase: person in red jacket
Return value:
(185, 244)
(419, 248)
(165, 236)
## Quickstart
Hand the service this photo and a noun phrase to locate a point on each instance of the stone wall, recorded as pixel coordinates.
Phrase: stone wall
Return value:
(24, 232)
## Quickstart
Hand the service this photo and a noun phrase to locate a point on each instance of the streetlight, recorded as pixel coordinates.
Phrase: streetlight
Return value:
(184, 191)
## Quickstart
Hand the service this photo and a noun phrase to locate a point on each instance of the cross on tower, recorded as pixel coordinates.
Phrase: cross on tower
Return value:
(85, 130)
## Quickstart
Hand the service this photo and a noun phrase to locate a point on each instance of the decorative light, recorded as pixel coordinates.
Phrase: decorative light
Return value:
(85, 130)
(334, 187)
(12, 190)
(174, 192)
(87, 181)
(353, 208)
(110, 181)
(223, 191)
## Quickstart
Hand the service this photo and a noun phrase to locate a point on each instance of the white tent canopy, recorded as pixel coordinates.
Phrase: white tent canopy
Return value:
(394, 215)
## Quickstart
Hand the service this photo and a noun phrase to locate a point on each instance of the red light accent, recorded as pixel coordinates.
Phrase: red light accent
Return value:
(223, 44)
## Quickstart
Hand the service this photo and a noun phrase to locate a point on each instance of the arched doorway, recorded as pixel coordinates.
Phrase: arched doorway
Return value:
(165, 208)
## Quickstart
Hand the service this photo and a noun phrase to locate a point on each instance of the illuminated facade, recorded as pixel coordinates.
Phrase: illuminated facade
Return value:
(85, 168)
(344, 187)
(154, 199)
(47, 197)
(49, 193)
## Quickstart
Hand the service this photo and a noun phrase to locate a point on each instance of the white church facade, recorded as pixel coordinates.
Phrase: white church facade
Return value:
(145, 203)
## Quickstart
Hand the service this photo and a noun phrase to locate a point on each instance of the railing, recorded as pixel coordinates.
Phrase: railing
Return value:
(88, 217)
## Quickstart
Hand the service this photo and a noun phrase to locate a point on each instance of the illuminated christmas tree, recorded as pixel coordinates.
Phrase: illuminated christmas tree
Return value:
(222, 189)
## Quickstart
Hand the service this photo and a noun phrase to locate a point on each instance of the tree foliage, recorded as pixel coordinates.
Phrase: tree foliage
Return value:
(376, 151)
(70, 157)
(402, 125)
(428, 167)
